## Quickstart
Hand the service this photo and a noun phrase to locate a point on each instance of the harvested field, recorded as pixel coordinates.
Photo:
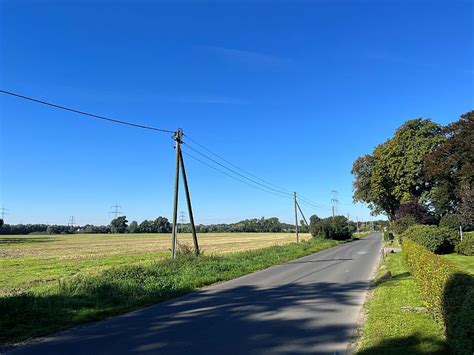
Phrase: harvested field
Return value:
(33, 262)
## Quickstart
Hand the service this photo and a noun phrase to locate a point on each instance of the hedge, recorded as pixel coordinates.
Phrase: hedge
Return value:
(387, 236)
(451, 221)
(466, 247)
(402, 224)
(448, 293)
(436, 240)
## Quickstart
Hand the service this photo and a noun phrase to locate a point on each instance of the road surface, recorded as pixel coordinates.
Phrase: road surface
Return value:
(309, 305)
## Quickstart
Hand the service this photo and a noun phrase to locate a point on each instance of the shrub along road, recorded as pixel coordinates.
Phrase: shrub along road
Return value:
(309, 305)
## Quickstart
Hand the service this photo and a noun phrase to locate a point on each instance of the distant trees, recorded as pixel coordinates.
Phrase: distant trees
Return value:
(158, 225)
(424, 171)
(15, 229)
(119, 225)
(337, 227)
(1, 223)
(57, 229)
(162, 225)
(91, 229)
(133, 227)
(255, 225)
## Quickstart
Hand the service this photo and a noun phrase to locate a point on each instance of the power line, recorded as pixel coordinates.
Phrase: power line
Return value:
(237, 173)
(313, 205)
(266, 184)
(237, 167)
(263, 185)
(317, 205)
(85, 113)
(234, 177)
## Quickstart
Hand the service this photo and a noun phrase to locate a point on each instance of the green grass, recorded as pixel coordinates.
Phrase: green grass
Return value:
(390, 330)
(90, 297)
(463, 262)
(360, 235)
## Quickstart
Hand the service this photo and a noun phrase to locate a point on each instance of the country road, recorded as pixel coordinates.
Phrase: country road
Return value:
(309, 305)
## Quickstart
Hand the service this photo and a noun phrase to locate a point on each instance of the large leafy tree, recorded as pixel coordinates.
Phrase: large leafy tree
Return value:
(450, 167)
(394, 173)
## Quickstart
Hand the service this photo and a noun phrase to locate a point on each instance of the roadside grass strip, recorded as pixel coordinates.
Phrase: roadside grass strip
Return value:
(462, 262)
(87, 298)
(397, 321)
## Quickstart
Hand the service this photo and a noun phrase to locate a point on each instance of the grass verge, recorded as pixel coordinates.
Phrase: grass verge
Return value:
(117, 290)
(391, 330)
(360, 235)
(463, 262)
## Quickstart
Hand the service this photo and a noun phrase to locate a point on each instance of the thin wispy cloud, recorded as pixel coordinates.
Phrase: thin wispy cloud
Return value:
(246, 56)
(149, 98)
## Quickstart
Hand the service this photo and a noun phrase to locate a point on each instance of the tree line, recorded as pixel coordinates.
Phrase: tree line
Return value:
(162, 225)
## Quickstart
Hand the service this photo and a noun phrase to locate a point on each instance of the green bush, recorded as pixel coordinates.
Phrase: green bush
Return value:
(387, 236)
(466, 247)
(337, 228)
(402, 224)
(435, 239)
(451, 221)
(448, 293)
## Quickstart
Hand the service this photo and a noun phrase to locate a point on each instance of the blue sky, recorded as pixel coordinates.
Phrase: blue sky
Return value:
(292, 91)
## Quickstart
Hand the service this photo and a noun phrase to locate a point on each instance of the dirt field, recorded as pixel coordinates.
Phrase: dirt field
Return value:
(35, 261)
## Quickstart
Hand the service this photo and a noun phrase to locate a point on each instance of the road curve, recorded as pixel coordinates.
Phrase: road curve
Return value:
(309, 305)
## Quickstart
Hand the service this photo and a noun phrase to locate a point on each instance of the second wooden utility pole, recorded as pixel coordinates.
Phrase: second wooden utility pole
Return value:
(180, 164)
(296, 218)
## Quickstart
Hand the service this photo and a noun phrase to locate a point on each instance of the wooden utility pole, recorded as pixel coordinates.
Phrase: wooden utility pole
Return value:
(190, 209)
(180, 164)
(177, 138)
(296, 218)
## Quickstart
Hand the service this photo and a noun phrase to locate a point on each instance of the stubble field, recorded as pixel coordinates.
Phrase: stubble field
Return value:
(33, 262)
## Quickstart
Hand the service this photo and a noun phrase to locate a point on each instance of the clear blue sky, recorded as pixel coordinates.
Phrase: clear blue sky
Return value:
(292, 91)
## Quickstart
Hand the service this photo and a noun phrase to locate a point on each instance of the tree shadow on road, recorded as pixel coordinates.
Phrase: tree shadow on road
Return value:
(289, 319)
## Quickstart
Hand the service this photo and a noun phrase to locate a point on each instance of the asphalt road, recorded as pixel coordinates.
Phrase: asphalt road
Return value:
(309, 305)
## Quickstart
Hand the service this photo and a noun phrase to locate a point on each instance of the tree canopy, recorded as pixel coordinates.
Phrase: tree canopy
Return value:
(394, 173)
(425, 171)
(450, 167)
